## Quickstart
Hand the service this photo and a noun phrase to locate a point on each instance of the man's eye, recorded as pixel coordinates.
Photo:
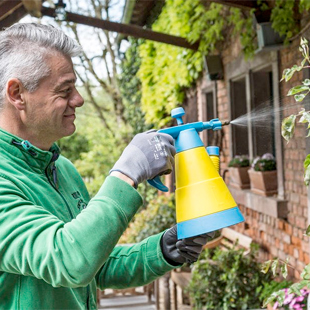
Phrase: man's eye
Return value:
(65, 92)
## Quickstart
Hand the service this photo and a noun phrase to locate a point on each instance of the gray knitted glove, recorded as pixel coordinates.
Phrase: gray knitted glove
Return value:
(182, 251)
(148, 155)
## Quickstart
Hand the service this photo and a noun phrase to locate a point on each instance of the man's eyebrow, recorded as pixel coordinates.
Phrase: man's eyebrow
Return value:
(64, 83)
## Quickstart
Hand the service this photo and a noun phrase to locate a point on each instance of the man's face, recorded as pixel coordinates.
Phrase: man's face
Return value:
(50, 110)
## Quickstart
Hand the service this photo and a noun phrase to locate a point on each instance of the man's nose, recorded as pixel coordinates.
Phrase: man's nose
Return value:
(77, 100)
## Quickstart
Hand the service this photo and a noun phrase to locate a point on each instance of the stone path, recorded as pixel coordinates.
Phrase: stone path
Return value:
(126, 303)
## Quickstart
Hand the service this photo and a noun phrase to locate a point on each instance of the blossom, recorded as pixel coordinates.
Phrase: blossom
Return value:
(293, 301)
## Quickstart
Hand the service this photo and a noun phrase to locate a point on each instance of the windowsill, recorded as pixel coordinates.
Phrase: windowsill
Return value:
(271, 206)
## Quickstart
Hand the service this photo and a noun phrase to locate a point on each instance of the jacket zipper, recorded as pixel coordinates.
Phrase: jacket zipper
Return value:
(87, 300)
(55, 186)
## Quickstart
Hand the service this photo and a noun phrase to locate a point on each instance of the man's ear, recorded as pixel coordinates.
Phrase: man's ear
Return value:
(15, 93)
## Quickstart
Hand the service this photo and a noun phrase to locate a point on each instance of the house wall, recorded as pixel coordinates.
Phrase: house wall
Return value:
(280, 234)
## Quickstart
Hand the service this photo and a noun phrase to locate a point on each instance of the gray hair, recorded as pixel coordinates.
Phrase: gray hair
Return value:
(23, 52)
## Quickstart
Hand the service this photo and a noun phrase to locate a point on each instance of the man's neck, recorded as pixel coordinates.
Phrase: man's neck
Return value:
(12, 125)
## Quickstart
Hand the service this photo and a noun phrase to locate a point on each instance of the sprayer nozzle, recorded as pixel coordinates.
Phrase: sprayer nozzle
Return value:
(225, 123)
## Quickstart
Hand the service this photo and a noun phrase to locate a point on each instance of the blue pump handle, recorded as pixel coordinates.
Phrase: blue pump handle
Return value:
(156, 182)
(177, 113)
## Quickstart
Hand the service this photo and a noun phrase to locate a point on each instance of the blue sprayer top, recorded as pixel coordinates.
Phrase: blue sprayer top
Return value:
(186, 137)
(190, 139)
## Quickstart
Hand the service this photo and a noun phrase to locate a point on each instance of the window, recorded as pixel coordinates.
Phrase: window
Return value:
(262, 120)
(239, 108)
(210, 114)
(258, 114)
(254, 94)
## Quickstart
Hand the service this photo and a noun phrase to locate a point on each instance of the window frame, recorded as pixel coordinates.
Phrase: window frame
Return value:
(210, 87)
(240, 68)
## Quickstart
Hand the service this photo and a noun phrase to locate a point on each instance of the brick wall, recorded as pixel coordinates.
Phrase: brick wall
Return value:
(278, 237)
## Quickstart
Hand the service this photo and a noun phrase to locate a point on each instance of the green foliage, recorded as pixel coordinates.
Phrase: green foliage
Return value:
(130, 87)
(239, 161)
(304, 5)
(282, 17)
(299, 92)
(288, 125)
(265, 163)
(271, 287)
(227, 280)
(73, 146)
(158, 216)
(244, 27)
(166, 71)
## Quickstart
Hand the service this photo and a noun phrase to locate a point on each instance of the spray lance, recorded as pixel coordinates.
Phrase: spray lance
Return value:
(203, 201)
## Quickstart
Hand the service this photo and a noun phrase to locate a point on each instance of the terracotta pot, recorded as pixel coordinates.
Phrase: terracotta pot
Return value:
(239, 177)
(264, 182)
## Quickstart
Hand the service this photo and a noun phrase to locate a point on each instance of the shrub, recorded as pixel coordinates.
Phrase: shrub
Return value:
(265, 163)
(227, 280)
(239, 161)
(158, 216)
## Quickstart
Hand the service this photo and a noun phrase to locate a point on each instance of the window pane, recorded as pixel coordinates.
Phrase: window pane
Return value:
(238, 108)
(262, 113)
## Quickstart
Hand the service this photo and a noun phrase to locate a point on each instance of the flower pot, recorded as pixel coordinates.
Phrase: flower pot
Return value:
(264, 182)
(239, 177)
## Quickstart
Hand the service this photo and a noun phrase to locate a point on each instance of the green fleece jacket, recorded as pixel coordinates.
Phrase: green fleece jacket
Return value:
(57, 246)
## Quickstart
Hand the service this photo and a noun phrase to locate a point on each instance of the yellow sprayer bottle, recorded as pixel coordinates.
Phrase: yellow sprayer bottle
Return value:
(203, 201)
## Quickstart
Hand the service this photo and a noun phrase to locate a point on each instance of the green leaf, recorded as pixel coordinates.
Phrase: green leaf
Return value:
(305, 117)
(274, 266)
(303, 41)
(266, 265)
(284, 74)
(297, 89)
(300, 97)
(306, 82)
(307, 170)
(284, 270)
(288, 127)
(308, 231)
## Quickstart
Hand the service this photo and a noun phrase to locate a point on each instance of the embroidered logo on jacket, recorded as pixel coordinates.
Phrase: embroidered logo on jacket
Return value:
(81, 203)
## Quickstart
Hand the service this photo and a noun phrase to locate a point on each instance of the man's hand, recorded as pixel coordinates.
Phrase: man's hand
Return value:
(182, 251)
(148, 155)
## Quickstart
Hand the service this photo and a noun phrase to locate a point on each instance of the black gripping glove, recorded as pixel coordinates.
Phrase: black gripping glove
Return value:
(148, 155)
(182, 251)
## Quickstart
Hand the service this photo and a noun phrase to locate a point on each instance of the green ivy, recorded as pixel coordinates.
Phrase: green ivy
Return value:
(130, 87)
(304, 5)
(282, 17)
(166, 70)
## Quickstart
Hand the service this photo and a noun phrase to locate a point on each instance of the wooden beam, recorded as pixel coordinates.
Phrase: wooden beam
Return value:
(240, 4)
(8, 7)
(13, 17)
(126, 29)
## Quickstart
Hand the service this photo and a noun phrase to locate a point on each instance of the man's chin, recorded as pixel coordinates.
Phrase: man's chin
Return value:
(69, 131)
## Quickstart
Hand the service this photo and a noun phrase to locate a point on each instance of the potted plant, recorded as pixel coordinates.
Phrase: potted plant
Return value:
(238, 172)
(263, 175)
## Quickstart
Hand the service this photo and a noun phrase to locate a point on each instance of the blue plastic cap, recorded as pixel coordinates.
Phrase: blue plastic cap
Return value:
(213, 150)
(187, 139)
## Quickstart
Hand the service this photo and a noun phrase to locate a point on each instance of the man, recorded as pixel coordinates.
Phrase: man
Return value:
(53, 255)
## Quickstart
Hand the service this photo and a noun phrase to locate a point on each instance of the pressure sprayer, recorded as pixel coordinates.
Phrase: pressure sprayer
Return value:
(203, 201)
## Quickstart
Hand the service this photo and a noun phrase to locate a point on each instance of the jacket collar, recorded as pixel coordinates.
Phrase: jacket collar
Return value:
(25, 151)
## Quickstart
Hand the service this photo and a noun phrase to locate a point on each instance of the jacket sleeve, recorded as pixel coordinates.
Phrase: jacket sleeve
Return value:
(135, 265)
(34, 242)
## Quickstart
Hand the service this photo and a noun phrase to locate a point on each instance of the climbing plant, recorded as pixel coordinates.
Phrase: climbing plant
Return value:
(299, 92)
(166, 71)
